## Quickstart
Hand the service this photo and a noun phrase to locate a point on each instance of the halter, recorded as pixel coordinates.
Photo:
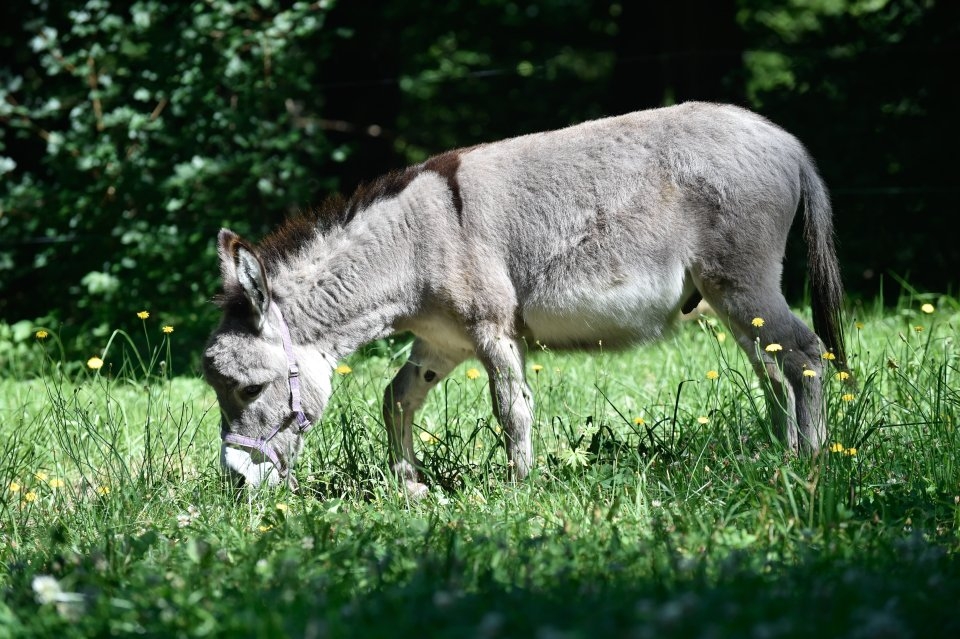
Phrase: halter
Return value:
(263, 444)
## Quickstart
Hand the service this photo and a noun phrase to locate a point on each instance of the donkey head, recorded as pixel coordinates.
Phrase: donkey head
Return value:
(255, 370)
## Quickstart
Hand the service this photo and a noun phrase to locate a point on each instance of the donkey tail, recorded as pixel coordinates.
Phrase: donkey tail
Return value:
(824, 269)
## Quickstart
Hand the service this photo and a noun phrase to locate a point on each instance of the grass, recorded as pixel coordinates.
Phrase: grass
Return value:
(659, 507)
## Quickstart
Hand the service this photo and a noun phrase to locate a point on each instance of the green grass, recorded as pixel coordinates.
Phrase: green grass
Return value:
(687, 522)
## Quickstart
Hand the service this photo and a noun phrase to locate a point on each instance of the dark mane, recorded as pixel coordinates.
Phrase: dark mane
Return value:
(299, 229)
(383, 187)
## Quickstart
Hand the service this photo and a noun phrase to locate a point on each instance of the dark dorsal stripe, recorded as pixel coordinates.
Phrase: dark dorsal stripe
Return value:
(446, 166)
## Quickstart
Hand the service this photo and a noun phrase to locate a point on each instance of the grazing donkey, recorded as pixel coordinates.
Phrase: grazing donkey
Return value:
(606, 230)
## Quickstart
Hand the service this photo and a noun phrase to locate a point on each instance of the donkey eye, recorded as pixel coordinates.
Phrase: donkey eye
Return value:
(251, 391)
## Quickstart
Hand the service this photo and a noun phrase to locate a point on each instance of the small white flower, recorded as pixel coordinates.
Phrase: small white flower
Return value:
(46, 589)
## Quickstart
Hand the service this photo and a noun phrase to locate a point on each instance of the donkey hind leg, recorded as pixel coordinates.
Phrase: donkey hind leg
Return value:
(792, 375)
(503, 358)
(424, 369)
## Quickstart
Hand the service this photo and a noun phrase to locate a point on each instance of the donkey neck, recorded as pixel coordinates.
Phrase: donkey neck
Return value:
(352, 284)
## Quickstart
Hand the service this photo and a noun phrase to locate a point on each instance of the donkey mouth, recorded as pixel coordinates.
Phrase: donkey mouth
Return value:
(247, 467)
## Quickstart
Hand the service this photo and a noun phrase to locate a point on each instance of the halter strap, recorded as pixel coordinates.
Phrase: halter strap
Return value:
(293, 372)
(263, 445)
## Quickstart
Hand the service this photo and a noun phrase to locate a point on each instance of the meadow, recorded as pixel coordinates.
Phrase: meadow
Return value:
(660, 505)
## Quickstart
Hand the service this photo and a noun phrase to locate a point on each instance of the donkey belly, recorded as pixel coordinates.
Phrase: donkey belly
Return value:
(611, 316)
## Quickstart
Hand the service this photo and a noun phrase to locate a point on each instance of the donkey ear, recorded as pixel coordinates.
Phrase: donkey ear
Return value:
(240, 267)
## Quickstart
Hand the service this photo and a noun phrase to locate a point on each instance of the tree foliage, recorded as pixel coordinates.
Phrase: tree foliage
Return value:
(131, 131)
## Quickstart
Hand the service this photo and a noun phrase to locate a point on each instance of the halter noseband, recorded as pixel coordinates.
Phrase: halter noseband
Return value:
(263, 444)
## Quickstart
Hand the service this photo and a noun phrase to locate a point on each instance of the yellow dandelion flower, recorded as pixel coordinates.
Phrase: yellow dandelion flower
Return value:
(927, 308)
(836, 447)
(858, 325)
(918, 329)
(427, 438)
(15, 487)
(283, 508)
(703, 420)
(263, 528)
(472, 373)
(851, 452)
(848, 397)
(103, 490)
(30, 496)
(721, 337)
(343, 369)
(757, 321)
(773, 348)
(536, 368)
(55, 483)
(842, 376)
(42, 334)
(95, 363)
(711, 374)
(40, 475)
(829, 356)
(809, 372)
(167, 329)
(639, 421)
(143, 315)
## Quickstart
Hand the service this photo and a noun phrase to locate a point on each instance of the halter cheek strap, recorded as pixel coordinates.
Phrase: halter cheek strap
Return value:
(264, 445)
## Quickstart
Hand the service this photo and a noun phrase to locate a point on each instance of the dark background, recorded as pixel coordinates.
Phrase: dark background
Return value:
(130, 132)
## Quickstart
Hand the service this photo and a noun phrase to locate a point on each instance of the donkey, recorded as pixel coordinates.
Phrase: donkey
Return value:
(603, 231)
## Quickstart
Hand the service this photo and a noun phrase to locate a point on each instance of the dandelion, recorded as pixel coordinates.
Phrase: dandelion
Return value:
(721, 337)
(95, 363)
(858, 326)
(809, 372)
(850, 452)
(55, 483)
(848, 397)
(283, 508)
(343, 369)
(472, 373)
(103, 490)
(536, 368)
(42, 334)
(703, 420)
(167, 329)
(927, 308)
(40, 475)
(829, 356)
(263, 528)
(773, 348)
(143, 315)
(836, 447)
(842, 376)
(639, 421)
(918, 328)
(427, 438)
(30, 496)
(711, 374)
(757, 321)
(15, 487)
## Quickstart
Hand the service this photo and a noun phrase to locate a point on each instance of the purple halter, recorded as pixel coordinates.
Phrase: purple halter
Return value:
(263, 445)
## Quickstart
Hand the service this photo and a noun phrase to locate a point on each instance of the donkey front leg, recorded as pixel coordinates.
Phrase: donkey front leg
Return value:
(423, 370)
(512, 401)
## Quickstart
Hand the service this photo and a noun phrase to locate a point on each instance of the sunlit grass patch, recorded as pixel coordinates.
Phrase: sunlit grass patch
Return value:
(659, 504)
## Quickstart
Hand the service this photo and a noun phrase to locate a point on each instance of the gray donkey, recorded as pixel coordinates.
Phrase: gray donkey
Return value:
(603, 231)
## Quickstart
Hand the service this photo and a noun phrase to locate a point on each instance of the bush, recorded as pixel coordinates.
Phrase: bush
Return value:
(129, 133)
